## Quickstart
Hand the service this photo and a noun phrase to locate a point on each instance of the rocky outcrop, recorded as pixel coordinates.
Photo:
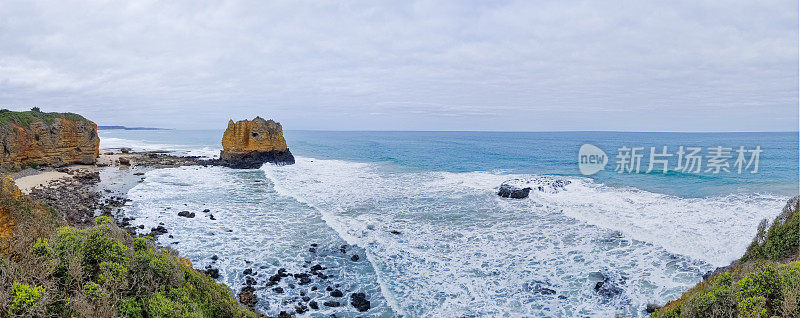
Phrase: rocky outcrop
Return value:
(248, 144)
(521, 188)
(50, 139)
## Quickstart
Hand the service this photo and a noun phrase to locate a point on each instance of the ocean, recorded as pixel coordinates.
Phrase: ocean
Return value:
(419, 211)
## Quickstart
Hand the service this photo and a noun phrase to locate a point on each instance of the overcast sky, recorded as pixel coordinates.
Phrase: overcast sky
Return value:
(408, 65)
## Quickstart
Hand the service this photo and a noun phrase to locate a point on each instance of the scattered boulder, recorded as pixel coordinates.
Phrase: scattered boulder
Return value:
(124, 161)
(247, 296)
(359, 301)
(331, 303)
(186, 214)
(510, 191)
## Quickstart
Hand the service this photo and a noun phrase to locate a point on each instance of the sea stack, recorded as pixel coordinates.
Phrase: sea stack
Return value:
(35, 138)
(248, 144)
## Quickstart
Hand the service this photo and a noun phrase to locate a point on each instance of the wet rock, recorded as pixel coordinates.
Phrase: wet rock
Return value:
(510, 191)
(248, 271)
(275, 278)
(651, 308)
(186, 214)
(331, 303)
(306, 298)
(313, 304)
(278, 290)
(359, 301)
(284, 314)
(337, 293)
(247, 296)
(317, 267)
(395, 232)
(608, 287)
(211, 217)
(249, 281)
(312, 250)
(123, 161)
(138, 174)
(214, 257)
(210, 271)
(158, 230)
(354, 258)
(206, 210)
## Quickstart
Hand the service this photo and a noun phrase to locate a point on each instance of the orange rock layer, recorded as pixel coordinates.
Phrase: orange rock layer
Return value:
(59, 143)
(246, 136)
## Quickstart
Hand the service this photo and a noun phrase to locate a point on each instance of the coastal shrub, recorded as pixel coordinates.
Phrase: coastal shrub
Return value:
(42, 248)
(130, 308)
(26, 118)
(98, 271)
(92, 290)
(26, 298)
(765, 282)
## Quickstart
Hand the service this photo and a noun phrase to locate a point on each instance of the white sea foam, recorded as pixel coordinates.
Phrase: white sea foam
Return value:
(110, 143)
(462, 250)
(443, 244)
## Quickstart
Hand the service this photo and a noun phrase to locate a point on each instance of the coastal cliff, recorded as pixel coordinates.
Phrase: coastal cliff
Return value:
(248, 144)
(765, 282)
(34, 138)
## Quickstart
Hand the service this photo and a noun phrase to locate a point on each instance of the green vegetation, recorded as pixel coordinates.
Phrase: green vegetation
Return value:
(26, 118)
(765, 282)
(98, 271)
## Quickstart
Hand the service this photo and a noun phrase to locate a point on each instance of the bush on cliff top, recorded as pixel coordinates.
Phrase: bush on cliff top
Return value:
(765, 282)
(26, 118)
(99, 271)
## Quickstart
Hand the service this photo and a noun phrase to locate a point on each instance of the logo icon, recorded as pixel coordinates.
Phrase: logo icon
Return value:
(591, 159)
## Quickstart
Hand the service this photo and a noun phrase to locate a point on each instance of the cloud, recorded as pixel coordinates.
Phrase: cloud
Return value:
(510, 65)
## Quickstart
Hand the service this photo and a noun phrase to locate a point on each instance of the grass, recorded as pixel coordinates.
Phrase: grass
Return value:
(49, 269)
(26, 118)
(765, 282)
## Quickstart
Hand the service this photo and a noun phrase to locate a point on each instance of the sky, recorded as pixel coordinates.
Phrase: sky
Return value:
(408, 65)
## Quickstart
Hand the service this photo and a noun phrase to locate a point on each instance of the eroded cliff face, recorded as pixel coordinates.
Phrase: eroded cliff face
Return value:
(248, 144)
(58, 141)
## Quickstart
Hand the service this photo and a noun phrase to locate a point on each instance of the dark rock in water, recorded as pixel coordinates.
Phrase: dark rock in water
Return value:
(716, 270)
(509, 191)
(313, 304)
(278, 290)
(158, 230)
(608, 288)
(141, 226)
(312, 250)
(359, 301)
(395, 232)
(331, 303)
(214, 257)
(206, 210)
(248, 271)
(337, 293)
(186, 214)
(284, 314)
(651, 308)
(249, 281)
(305, 280)
(248, 144)
(211, 217)
(354, 258)
(210, 271)
(317, 267)
(247, 296)
(306, 298)
(275, 278)
(343, 249)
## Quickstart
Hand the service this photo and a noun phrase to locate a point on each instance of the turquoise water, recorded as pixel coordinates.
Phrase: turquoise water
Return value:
(436, 241)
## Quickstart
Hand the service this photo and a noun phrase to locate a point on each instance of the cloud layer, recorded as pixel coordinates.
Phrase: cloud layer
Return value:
(419, 65)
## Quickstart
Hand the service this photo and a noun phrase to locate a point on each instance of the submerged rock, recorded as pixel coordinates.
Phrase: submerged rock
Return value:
(509, 191)
(359, 301)
(521, 188)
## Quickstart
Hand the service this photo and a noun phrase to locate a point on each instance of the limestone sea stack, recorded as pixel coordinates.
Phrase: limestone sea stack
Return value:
(35, 138)
(248, 144)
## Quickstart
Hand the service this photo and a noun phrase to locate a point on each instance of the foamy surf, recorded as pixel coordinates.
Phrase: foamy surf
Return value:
(446, 245)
